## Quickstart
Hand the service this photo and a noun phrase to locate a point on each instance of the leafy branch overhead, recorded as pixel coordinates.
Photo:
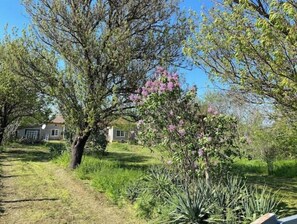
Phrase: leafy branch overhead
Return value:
(252, 45)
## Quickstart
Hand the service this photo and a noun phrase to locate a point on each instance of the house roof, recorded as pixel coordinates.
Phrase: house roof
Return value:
(58, 120)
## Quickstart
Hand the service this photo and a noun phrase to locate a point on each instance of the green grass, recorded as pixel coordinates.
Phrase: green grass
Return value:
(124, 164)
(283, 180)
(115, 172)
(282, 168)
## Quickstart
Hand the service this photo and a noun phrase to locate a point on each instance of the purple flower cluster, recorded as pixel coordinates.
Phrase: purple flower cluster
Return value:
(164, 81)
(212, 110)
(171, 128)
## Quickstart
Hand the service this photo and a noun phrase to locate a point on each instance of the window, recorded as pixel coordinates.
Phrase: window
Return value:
(120, 133)
(55, 132)
(31, 134)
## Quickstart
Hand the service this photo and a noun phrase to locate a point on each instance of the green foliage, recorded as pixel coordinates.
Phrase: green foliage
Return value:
(107, 174)
(56, 148)
(19, 97)
(227, 201)
(192, 206)
(282, 168)
(259, 203)
(96, 53)
(97, 142)
(250, 45)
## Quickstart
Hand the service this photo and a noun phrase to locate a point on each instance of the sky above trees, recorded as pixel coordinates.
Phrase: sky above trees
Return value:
(13, 14)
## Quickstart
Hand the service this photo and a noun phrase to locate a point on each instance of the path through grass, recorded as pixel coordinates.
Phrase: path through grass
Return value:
(34, 190)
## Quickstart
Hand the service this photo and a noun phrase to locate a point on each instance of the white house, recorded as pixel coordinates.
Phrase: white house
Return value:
(117, 135)
(53, 130)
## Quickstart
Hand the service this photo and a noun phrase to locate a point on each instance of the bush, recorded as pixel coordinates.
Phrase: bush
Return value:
(56, 148)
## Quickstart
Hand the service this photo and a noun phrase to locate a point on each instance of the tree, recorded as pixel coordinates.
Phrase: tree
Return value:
(92, 54)
(250, 44)
(18, 97)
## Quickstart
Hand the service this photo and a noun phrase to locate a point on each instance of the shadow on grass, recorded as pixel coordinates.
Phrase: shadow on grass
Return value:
(283, 180)
(126, 160)
(25, 155)
(30, 200)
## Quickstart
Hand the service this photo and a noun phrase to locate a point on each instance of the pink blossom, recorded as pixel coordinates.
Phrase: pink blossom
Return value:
(171, 127)
(175, 76)
(212, 110)
(181, 122)
(170, 86)
(144, 92)
(171, 113)
(182, 132)
(134, 97)
(162, 87)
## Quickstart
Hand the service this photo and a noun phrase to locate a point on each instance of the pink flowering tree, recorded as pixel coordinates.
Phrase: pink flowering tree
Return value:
(199, 140)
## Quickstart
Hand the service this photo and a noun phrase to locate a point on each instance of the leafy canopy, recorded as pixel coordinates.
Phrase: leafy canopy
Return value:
(250, 44)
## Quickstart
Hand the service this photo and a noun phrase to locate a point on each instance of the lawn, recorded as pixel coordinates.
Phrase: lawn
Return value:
(115, 172)
(124, 164)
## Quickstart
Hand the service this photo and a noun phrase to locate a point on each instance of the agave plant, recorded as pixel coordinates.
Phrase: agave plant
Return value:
(259, 202)
(193, 205)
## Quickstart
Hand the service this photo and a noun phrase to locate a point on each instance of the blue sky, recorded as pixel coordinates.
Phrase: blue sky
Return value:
(14, 14)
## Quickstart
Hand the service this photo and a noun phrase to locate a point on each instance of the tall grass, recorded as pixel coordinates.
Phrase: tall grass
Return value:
(114, 173)
(282, 168)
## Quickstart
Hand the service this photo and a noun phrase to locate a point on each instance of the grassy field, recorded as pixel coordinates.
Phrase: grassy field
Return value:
(284, 180)
(114, 172)
(125, 164)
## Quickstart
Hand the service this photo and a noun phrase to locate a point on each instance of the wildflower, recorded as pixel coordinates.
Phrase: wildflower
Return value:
(181, 123)
(182, 132)
(139, 123)
(169, 162)
(144, 92)
(162, 87)
(171, 127)
(200, 152)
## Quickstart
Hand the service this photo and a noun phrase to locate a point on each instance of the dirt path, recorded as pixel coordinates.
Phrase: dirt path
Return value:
(34, 190)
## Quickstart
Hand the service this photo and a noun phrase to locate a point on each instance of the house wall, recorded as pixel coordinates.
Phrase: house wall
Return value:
(113, 137)
(45, 133)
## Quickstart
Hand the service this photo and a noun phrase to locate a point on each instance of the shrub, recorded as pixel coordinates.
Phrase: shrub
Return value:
(56, 148)
(198, 140)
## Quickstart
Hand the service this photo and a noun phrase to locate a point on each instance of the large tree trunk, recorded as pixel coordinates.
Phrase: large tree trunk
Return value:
(78, 150)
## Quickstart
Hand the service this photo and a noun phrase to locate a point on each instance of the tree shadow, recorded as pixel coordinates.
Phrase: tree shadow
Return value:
(127, 160)
(29, 200)
(26, 155)
(11, 176)
(284, 187)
